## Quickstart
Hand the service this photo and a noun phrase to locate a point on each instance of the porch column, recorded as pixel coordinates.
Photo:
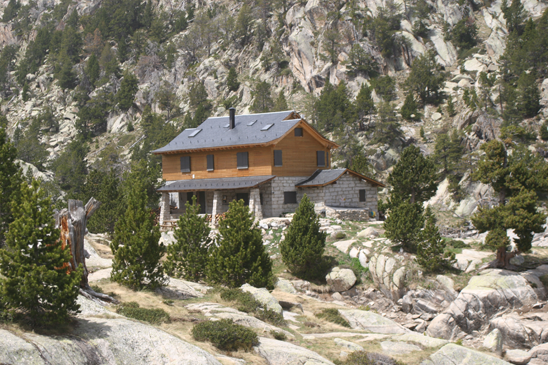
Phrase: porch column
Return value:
(217, 201)
(181, 200)
(255, 203)
(164, 208)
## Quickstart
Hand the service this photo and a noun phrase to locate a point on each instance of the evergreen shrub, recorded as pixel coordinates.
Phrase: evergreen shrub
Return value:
(133, 310)
(333, 315)
(225, 335)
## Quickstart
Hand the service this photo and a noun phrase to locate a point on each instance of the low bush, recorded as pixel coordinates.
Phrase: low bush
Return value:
(340, 235)
(132, 310)
(280, 336)
(97, 289)
(333, 315)
(225, 335)
(544, 280)
(367, 358)
(271, 317)
(246, 302)
(457, 244)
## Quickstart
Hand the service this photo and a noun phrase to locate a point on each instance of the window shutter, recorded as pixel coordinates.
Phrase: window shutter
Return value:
(242, 160)
(290, 197)
(185, 164)
(277, 157)
(320, 156)
(298, 132)
(362, 195)
(210, 163)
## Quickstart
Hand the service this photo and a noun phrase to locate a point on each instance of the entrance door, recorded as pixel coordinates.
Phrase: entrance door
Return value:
(200, 199)
(244, 197)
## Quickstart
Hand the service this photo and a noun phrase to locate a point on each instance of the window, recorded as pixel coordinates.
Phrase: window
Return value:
(290, 197)
(362, 195)
(185, 164)
(277, 157)
(298, 132)
(242, 160)
(320, 158)
(210, 163)
(244, 197)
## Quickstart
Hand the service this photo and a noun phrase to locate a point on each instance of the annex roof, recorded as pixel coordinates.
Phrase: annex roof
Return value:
(226, 183)
(326, 177)
(251, 129)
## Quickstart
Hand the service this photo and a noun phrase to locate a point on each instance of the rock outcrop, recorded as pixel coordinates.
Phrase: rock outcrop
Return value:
(282, 353)
(389, 275)
(340, 280)
(455, 354)
(371, 322)
(485, 295)
(264, 297)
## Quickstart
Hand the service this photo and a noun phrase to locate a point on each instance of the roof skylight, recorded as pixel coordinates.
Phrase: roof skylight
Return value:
(195, 133)
(267, 127)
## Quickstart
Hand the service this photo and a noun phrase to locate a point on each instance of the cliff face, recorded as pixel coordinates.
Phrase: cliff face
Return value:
(295, 46)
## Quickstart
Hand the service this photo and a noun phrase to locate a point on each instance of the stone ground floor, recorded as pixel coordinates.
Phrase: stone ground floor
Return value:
(335, 193)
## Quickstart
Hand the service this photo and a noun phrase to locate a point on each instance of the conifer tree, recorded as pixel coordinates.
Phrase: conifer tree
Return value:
(409, 108)
(404, 223)
(543, 133)
(413, 178)
(431, 253)
(106, 188)
(187, 257)
(10, 180)
(388, 129)
(240, 256)
(304, 244)
(450, 106)
(35, 263)
(128, 89)
(426, 79)
(281, 103)
(365, 106)
(136, 248)
(232, 80)
(93, 70)
(262, 102)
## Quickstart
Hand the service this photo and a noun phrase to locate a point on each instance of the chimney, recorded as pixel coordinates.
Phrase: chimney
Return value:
(232, 118)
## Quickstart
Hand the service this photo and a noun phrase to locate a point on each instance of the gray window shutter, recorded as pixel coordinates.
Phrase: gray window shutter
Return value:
(210, 163)
(320, 156)
(242, 160)
(290, 197)
(277, 157)
(185, 164)
(362, 195)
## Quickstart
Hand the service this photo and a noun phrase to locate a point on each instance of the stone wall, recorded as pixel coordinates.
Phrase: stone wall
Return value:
(280, 185)
(345, 193)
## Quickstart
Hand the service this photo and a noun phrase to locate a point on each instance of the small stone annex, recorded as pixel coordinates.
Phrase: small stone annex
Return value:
(269, 160)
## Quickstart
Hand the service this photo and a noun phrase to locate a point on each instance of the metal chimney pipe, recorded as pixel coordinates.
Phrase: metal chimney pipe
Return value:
(232, 118)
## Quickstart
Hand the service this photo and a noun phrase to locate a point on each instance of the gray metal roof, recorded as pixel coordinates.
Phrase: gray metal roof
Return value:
(250, 129)
(322, 177)
(226, 183)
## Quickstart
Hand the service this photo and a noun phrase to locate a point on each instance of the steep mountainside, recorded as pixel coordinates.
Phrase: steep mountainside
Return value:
(109, 81)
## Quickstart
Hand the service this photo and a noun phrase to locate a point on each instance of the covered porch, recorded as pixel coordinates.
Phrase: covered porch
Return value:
(213, 195)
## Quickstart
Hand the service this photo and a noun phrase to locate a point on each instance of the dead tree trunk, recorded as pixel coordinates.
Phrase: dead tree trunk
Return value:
(72, 222)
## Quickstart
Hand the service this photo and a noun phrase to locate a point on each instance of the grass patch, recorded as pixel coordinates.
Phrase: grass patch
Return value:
(332, 315)
(97, 289)
(152, 316)
(225, 335)
(340, 235)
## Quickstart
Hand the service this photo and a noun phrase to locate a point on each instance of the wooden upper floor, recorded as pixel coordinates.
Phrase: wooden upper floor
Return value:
(299, 151)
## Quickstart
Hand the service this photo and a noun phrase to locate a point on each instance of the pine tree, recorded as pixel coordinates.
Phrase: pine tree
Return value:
(543, 132)
(426, 79)
(303, 247)
(414, 177)
(35, 262)
(262, 102)
(450, 106)
(422, 134)
(240, 256)
(232, 80)
(93, 70)
(280, 103)
(187, 257)
(404, 223)
(365, 106)
(10, 180)
(388, 128)
(431, 255)
(25, 92)
(136, 248)
(106, 188)
(128, 89)
(409, 108)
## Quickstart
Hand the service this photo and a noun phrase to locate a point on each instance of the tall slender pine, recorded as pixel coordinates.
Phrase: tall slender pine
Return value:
(34, 262)
(136, 248)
